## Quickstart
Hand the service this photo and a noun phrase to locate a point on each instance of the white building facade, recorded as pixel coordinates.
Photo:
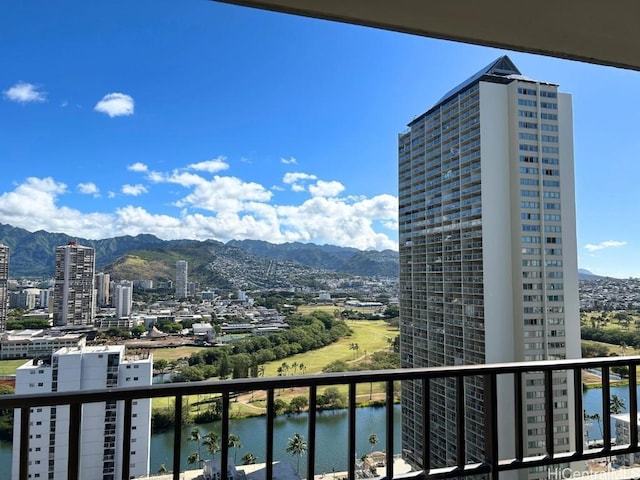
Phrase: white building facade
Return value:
(103, 289)
(123, 298)
(4, 285)
(182, 269)
(488, 262)
(74, 291)
(102, 423)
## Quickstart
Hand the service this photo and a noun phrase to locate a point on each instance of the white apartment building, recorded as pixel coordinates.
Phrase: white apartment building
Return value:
(123, 298)
(76, 369)
(182, 268)
(4, 285)
(488, 262)
(37, 343)
(45, 298)
(103, 285)
(74, 291)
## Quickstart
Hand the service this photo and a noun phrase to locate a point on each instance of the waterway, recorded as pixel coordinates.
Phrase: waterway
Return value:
(331, 431)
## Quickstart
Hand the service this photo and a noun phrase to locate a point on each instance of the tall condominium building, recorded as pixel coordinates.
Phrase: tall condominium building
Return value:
(103, 285)
(74, 369)
(488, 267)
(74, 292)
(4, 290)
(182, 267)
(123, 298)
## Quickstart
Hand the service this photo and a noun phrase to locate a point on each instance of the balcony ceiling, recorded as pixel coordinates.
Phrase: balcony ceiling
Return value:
(594, 31)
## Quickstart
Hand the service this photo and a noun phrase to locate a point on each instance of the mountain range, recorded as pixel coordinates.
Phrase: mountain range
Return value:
(236, 264)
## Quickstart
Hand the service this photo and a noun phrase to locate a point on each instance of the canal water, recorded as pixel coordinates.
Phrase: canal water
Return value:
(331, 431)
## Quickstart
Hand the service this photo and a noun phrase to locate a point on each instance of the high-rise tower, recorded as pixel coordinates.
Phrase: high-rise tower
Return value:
(74, 292)
(103, 285)
(4, 279)
(488, 267)
(182, 267)
(123, 298)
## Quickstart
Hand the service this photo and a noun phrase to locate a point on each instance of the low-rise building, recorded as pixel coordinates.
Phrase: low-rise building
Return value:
(37, 343)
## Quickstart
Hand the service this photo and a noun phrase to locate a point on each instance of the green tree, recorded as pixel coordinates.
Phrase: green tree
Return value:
(194, 458)
(248, 459)
(373, 440)
(234, 442)
(299, 403)
(163, 469)
(297, 447)
(195, 436)
(224, 366)
(616, 405)
(596, 418)
(161, 364)
(211, 442)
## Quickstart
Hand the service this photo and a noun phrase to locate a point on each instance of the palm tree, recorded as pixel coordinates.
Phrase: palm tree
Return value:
(248, 459)
(294, 367)
(195, 437)
(297, 447)
(212, 443)
(261, 370)
(596, 418)
(163, 469)
(194, 458)
(302, 367)
(234, 442)
(616, 405)
(373, 440)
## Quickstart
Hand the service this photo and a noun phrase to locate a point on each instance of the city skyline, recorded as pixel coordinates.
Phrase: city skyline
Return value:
(288, 136)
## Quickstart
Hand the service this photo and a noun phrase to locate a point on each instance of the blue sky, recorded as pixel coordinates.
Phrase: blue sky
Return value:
(195, 119)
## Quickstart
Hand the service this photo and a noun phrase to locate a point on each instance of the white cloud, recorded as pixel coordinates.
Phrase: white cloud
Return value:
(289, 161)
(115, 105)
(89, 188)
(326, 189)
(137, 167)
(221, 208)
(297, 180)
(211, 166)
(32, 205)
(64, 103)
(223, 194)
(23, 92)
(133, 190)
(294, 177)
(606, 244)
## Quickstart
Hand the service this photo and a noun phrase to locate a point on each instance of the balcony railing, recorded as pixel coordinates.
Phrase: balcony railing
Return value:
(492, 374)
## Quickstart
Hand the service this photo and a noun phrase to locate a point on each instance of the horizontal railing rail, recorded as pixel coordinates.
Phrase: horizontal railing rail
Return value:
(491, 465)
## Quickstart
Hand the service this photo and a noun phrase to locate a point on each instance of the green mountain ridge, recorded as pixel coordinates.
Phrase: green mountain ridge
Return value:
(236, 264)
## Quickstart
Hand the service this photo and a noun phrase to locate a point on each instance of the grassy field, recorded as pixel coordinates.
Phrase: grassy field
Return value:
(617, 349)
(370, 335)
(8, 367)
(174, 353)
